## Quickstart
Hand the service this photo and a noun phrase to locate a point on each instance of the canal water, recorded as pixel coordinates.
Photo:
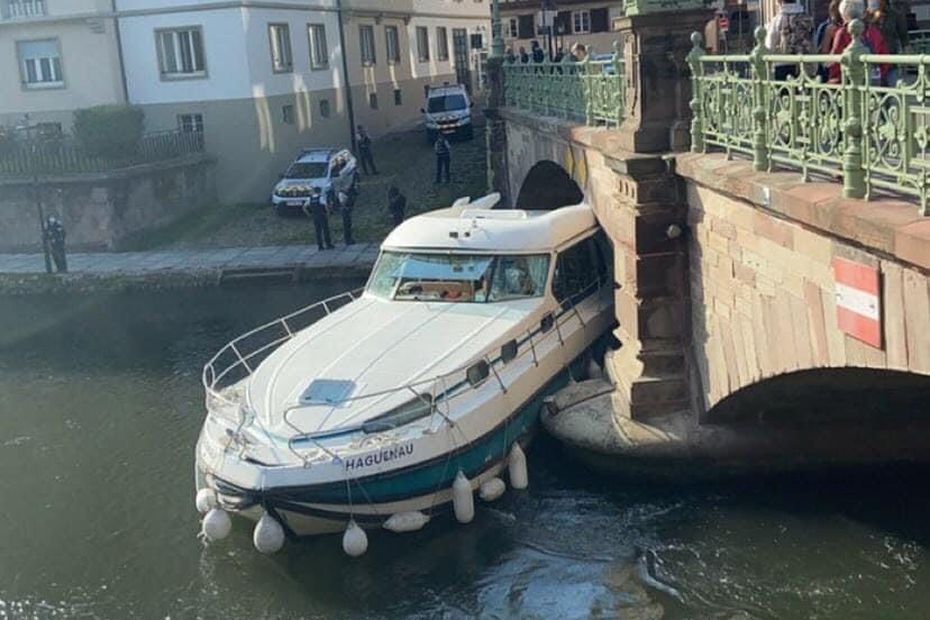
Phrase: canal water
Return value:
(100, 405)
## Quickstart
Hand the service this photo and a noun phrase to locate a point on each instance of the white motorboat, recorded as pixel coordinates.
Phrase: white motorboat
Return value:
(376, 408)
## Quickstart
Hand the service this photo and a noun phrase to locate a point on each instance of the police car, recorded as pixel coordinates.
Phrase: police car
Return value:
(448, 110)
(311, 176)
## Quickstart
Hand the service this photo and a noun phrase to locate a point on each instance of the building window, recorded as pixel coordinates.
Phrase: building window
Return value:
(319, 52)
(398, 97)
(581, 22)
(324, 108)
(513, 28)
(287, 114)
(442, 44)
(366, 38)
(180, 52)
(373, 100)
(422, 43)
(40, 63)
(190, 123)
(393, 44)
(280, 36)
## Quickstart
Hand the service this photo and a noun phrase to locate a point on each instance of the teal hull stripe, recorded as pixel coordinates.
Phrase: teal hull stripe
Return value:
(419, 479)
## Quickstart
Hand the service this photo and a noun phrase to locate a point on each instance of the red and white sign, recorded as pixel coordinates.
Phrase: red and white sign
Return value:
(858, 301)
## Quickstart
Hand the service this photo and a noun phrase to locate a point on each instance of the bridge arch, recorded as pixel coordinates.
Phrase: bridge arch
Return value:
(547, 186)
(821, 396)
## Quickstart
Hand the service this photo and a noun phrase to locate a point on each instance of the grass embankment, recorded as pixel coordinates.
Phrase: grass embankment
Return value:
(403, 159)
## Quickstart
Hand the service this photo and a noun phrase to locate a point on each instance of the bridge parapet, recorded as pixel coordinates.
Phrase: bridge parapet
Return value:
(873, 134)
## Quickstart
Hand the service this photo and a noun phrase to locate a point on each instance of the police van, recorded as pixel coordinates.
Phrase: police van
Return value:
(448, 110)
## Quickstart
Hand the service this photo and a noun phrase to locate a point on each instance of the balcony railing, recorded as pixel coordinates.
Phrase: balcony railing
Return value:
(23, 9)
(873, 136)
(63, 155)
(591, 91)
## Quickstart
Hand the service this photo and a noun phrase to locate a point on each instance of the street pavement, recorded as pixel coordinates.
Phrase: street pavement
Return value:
(218, 260)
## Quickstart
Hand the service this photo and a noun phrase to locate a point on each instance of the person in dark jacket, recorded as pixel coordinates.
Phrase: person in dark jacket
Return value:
(345, 202)
(397, 202)
(363, 140)
(538, 54)
(443, 157)
(54, 234)
(524, 57)
(315, 207)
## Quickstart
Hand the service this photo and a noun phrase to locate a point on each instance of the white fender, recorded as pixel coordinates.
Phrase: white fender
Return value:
(354, 541)
(406, 522)
(516, 467)
(268, 535)
(491, 489)
(463, 502)
(216, 524)
(205, 500)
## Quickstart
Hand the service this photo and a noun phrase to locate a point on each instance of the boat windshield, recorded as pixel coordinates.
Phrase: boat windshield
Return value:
(479, 278)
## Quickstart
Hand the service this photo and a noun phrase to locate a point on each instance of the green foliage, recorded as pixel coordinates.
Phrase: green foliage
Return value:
(109, 131)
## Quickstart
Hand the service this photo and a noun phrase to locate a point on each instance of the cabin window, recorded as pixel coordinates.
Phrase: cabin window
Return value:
(477, 372)
(577, 271)
(509, 351)
(475, 278)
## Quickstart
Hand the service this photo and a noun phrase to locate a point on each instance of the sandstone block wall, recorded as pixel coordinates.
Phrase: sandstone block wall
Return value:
(763, 298)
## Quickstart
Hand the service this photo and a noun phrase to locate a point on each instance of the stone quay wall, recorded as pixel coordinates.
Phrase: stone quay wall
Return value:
(101, 211)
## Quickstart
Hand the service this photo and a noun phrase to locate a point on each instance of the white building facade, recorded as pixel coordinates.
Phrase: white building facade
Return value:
(263, 78)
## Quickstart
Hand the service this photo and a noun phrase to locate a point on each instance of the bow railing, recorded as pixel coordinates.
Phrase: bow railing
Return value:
(859, 117)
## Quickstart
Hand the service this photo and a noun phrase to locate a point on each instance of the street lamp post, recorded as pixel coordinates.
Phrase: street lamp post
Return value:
(497, 40)
(36, 193)
(548, 9)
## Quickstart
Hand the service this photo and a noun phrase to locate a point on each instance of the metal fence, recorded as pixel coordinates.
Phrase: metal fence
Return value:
(64, 155)
(590, 91)
(873, 133)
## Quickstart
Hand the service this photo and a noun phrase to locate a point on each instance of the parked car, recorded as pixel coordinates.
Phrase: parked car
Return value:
(448, 110)
(312, 174)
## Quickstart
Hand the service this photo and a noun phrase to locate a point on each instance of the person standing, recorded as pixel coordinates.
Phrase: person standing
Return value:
(791, 32)
(443, 158)
(346, 202)
(871, 38)
(538, 54)
(363, 140)
(578, 52)
(315, 207)
(55, 238)
(891, 18)
(397, 202)
(524, 57)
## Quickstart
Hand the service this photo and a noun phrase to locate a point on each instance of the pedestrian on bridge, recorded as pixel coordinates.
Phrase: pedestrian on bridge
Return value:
(790, 32)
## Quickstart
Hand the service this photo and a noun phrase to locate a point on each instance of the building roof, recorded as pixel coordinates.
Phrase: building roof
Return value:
(475, 226)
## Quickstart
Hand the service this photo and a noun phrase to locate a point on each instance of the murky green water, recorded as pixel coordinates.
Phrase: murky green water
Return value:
(100, 404)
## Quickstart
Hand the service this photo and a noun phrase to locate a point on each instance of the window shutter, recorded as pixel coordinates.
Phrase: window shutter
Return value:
(563, 22)
(526, 28)
(599, 20)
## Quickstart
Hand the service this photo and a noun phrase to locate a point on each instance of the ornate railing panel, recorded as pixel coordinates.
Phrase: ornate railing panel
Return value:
(591, 91)
(872, 131)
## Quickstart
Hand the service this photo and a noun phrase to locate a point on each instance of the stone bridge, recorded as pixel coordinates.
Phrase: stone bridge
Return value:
(762, 319)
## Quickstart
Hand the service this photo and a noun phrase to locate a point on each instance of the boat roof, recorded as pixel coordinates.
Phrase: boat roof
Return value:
(475, 226)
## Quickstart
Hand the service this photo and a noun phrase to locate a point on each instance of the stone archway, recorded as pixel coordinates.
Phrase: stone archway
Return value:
(547, 186)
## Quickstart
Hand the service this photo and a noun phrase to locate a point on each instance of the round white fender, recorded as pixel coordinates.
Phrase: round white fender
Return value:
(216, 524)
(268, 535)
(354, 541)
(516, 467)
(406, 522)
(205, 500)
(491, 489)
(463, 502)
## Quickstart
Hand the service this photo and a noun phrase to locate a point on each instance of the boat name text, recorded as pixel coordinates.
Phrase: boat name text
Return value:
(383, 456)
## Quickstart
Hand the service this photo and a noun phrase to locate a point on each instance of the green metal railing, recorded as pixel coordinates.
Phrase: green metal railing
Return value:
(62, 155)
(920, 41)
(591, 91)
(873, 136)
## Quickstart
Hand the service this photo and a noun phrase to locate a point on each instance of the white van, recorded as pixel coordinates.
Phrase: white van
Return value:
(448, 110)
